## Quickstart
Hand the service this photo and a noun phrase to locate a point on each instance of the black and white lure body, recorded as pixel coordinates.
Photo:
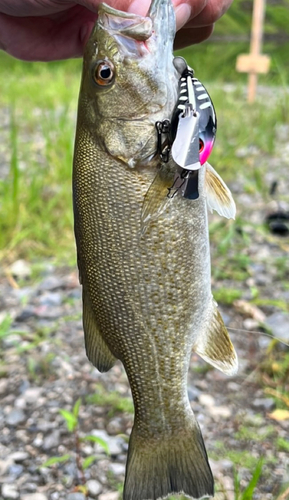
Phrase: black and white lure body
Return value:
(191, 132)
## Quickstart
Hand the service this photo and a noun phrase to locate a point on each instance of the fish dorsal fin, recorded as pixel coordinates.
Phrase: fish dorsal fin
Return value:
(218, 195)
(96, 348)
(214, 344)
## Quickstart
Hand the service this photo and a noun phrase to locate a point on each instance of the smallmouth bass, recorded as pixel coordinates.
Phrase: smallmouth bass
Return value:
(144, 259)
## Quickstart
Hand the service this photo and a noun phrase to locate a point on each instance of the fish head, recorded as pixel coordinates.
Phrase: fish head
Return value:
(129, 81)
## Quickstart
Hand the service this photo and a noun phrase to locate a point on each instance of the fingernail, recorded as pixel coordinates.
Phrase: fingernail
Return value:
(183, 14)
(140, 8)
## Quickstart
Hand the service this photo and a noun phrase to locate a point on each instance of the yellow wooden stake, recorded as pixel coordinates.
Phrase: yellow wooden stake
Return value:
(255, 62)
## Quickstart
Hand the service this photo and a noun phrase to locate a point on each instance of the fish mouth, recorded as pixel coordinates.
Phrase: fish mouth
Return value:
(160, 19)
(124, 23)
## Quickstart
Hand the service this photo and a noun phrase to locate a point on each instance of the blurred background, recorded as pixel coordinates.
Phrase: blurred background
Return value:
(65, 427)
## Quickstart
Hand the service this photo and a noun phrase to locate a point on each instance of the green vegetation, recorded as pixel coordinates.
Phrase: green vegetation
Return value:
(112, 400)
(72, 422)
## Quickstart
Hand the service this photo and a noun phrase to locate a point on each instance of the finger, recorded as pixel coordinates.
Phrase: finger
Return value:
(46, 39)
(210, 14)
(186, 37)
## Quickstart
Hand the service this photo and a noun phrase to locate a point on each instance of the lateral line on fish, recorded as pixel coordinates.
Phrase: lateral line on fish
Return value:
(152, 341)
(258, 333)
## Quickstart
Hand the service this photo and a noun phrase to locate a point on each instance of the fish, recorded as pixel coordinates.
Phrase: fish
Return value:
(144, 257)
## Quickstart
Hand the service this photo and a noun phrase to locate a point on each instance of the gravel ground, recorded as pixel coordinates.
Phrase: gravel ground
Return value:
(43, 368)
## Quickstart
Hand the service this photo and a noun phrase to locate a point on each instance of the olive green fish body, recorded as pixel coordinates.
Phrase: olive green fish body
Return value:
(146, 293)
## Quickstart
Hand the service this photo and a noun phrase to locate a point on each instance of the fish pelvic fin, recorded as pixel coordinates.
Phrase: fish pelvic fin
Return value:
(97, 350)
(219, 196)
(168, 464)
(214, 344)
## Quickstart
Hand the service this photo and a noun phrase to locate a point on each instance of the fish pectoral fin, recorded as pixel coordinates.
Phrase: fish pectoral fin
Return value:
(96, 348)
(156, 199)
(214, 345)
(218, 194)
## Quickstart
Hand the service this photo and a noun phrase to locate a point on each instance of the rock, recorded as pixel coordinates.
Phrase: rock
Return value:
(193, 393)
(15, 417)
(51, 299)
(15, 470)
(34, 496)
(20, 269)
(32, 394)
(117, 469)
(76, 496)
(279, 325)
(51, 441)
(109, 495)
(11, 340)
(114, 443)
(3, 385)
(267, 403)
(19, 456)
(9, 491)
(115, 426)
(51, 283)
(206, 400)
(220, 411)
(93, 487)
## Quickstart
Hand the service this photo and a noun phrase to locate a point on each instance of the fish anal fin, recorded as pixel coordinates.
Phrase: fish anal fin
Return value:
(218, 194)
(214, 345)
(96, 348)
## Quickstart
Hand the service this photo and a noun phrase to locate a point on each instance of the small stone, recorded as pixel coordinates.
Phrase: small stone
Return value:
(32, 394)
(51, 441)
(15, 470)
(267, 403)
(51, 299)
(76, 496)
(206, 400)
(51, 283)
(220, 411)
(193, 393)
(34, 496)
(15, 417)
(20, 269)
(114, 443)
(115, 426)
(93, 487)
(279, 325)
(3, 385)
(9, 491)
(109, 495)
(117, 469)
(11, 340)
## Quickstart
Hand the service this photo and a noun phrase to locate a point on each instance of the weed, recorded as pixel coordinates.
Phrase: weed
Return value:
(112, 400)
(72, 422)
(248, 493)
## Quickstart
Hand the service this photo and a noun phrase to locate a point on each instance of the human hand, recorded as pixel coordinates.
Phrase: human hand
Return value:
(58, 29)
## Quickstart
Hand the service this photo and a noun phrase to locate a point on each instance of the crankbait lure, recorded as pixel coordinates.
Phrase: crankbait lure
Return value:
(190, 134)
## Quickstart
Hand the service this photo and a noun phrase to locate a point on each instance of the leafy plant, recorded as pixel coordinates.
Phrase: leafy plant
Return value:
(248, 493)
(72, 422)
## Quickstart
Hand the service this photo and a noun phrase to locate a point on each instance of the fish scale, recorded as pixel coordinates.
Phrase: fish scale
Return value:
(146, 287)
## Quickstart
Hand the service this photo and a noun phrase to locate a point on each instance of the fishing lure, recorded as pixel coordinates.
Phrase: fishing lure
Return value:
(190, 133)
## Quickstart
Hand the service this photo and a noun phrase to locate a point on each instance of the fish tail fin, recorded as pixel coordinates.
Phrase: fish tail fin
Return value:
(174, 464)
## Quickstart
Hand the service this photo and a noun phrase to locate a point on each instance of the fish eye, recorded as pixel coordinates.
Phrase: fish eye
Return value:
(201, 145)
(103, 73)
